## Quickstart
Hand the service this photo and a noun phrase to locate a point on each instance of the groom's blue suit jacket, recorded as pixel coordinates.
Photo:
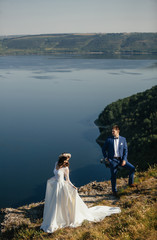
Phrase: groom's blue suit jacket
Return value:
(108, 148)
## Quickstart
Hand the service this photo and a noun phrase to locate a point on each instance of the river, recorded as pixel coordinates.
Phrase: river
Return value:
(48, 105)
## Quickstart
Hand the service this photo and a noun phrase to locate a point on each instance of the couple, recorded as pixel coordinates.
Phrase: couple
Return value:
(63, 205)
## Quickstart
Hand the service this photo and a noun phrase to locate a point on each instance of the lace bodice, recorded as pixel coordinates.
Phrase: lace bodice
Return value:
(62, 174)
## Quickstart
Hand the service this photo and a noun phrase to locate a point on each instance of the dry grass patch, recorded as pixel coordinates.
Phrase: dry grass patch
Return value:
(137, 221)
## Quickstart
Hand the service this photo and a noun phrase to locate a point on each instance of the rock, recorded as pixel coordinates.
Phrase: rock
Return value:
(11, 218)
(14, 217)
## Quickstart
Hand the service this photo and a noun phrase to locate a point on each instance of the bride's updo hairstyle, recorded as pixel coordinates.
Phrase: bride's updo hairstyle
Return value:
(62, 158)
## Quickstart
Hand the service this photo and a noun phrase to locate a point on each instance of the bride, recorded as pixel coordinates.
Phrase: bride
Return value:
(63, 205)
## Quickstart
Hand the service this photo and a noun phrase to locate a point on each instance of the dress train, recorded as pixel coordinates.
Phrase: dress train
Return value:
(64, 207)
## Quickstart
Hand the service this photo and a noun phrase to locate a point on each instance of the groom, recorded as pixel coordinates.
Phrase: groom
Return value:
(115, 151)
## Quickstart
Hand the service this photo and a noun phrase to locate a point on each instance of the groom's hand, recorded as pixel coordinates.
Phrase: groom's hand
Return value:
(123, 163)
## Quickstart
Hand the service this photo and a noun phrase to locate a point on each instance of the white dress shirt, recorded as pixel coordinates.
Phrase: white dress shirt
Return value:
(116, 147)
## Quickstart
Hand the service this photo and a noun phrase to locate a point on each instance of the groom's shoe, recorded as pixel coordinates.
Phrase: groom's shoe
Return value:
(133, 185)
(115, 194)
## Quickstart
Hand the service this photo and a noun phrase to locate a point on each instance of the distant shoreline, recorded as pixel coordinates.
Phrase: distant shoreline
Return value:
(144, 56)
(108, 44)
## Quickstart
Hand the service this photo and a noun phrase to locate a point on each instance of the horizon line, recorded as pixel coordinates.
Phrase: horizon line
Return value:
(74, 33)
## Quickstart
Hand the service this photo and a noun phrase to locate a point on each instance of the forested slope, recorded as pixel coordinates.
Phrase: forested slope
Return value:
(110, 43)
(137, 118)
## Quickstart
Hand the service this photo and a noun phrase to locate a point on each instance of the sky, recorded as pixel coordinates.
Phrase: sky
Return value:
(20, 17)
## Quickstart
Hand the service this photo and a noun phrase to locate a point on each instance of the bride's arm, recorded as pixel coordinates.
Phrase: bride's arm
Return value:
(67, 177)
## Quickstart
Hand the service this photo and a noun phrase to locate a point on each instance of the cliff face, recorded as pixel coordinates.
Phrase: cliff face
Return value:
(137, 117)
(91, 193)
(137, 205)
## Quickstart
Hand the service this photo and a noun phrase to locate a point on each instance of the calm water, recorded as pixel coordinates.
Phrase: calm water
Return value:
(48, 106)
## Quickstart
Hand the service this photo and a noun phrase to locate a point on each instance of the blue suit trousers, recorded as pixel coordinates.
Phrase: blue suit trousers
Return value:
(114, 164)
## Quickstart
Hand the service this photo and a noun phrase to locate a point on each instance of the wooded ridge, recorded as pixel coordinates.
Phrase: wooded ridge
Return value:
(137, 117)
(109, 43)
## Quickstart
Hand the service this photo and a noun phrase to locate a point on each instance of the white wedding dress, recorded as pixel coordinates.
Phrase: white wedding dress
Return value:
(64, 207)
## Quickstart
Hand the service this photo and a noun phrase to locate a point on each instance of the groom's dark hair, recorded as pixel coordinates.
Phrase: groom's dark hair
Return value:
(116, 127)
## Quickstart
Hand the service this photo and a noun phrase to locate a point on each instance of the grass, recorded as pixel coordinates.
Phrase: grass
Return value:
(137, 221)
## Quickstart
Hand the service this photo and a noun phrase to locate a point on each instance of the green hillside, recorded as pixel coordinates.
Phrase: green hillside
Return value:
(137, 118)
(111, 43)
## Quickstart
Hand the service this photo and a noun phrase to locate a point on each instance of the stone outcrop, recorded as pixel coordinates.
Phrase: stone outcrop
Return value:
(91, 193)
